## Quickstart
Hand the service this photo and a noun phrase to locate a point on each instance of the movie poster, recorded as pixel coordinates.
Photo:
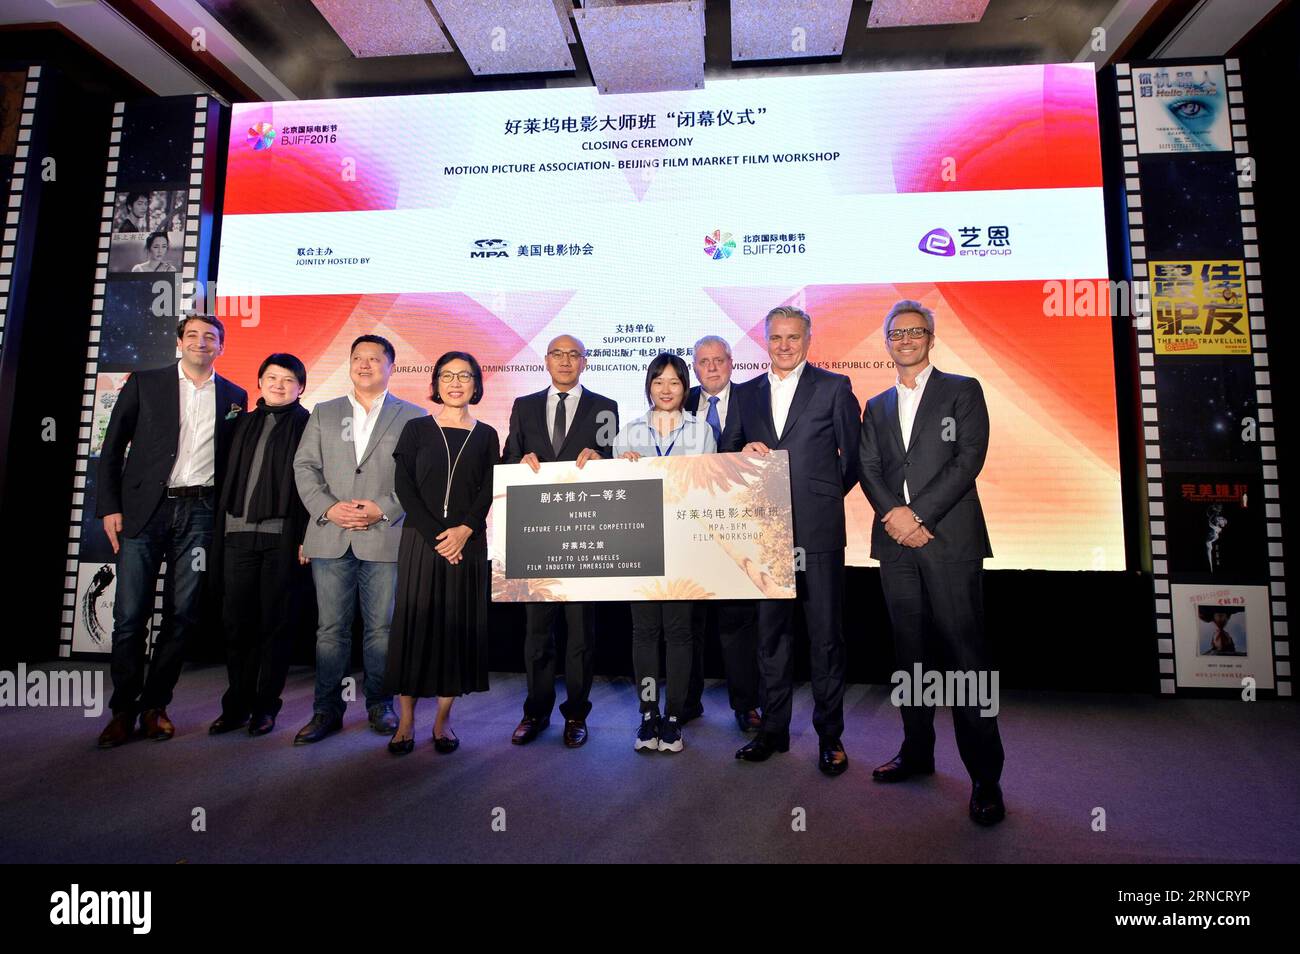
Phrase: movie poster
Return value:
(1199, 307)
(1222, 636)
(1215, 527)
(1207, 411)
(1181, 109)
(148, 230)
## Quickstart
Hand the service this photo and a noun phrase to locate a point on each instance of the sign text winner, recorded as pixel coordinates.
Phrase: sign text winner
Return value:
(585, 530)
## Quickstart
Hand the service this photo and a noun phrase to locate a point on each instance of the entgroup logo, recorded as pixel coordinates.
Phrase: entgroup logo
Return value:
(719, 244)
(937, 242)
(261, 136)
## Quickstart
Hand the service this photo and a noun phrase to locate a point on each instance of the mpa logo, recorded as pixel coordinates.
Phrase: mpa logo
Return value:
(938, 242)
(489, 248)
(261, 136)
(719, 244)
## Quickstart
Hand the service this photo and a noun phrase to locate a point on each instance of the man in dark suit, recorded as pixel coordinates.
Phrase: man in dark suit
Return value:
(711, 401)
(923, 444)
(157, 504)
(563, 422)
(813, 414)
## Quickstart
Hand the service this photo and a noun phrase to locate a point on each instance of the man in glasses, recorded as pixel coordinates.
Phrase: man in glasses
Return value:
(923, 444)
(563, 422)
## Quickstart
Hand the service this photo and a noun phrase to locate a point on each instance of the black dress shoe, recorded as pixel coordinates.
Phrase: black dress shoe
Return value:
(831, 758)
(402, 746)
(575, 733)
(748, 721)
(444, 745)
(761, 748)
(898, 770)
(529, 728)
(382, 718)
(986, 806)
(318, 728)
(224, 723)
(261, 724)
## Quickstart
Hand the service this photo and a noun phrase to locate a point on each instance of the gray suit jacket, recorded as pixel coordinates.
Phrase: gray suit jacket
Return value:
(326, 471)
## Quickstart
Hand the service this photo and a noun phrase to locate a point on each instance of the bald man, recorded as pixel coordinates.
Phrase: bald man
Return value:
(563, 422)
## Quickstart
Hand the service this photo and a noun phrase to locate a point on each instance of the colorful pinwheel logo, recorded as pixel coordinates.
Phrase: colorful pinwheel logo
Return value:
(261, 136)
(719, 244)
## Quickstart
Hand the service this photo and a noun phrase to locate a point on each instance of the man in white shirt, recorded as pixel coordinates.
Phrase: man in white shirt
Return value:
(157, 505)
(735, 620)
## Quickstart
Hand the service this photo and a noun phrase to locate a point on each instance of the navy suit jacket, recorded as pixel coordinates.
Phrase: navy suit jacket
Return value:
(147, 418)
(821, 434)
(950, 438)
(693, 405)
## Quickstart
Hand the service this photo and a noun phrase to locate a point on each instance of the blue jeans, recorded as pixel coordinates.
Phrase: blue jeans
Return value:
(176, 530)
(339, 581)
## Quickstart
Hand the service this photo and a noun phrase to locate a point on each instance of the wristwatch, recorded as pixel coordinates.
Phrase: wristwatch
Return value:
(917, 517)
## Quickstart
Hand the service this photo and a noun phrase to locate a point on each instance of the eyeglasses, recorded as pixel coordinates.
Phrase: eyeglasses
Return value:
(558, 355)
(464, 377)
(898, 334)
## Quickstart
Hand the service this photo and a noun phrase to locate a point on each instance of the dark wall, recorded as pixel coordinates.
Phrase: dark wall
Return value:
(44, 355)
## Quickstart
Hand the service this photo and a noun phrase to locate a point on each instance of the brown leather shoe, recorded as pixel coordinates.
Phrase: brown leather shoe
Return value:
(528, 729)
(156, 725)
(117, 731)
(575, 732)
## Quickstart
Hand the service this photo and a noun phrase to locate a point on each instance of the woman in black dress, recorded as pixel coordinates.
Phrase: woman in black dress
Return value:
(438, 645)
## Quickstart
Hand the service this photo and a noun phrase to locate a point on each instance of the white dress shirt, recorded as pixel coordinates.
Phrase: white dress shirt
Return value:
(783, 395)
(724, 402)
(570, 407)
(196, 451)
(909, 399)
(363, 421)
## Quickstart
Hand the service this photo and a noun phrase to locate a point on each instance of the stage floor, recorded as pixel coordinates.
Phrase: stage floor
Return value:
(1179, 780)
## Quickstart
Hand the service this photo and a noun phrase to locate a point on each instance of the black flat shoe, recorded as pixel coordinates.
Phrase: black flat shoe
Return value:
(445, 746)
(261, 724)
(831, 758)
(898, 770)
(404, 747)
(986, 805)
(224, 723)
(761, 749)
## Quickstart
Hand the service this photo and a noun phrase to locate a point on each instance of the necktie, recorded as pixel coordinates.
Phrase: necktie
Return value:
(557, 432)
(711, 419)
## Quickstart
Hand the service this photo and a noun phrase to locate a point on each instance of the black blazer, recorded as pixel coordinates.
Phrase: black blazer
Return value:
(594, 424)
(733, 416)
(821, 434)
(147, 417)
(420, 480)
(950, 438)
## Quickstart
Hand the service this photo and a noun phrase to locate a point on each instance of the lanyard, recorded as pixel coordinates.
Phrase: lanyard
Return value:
(660, 452)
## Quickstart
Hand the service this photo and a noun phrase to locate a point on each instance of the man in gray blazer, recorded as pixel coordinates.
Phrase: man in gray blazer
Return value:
(344, 472)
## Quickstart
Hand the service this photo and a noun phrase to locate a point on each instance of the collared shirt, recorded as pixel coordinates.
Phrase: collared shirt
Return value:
(909, 399)
(783, 394)
(690, 436)
(196, 451)
(724, 402)
(363, 421)
(570, 407)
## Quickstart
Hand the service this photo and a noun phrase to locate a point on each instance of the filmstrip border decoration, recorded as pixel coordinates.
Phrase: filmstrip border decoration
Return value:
(17, 184)
(202, 132)
(1147, 381)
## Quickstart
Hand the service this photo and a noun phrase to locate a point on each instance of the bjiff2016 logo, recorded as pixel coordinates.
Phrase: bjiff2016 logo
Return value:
(719, 244)
(261, 136)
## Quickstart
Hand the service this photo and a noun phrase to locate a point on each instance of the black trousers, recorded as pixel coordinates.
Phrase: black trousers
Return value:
(264, 590)
(820, 594)
(937, 612)
(737, 622)
(539, 658)
(671, 621)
